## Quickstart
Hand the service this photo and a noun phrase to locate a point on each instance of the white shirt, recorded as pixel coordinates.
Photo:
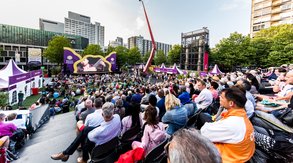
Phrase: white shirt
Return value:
(204, 99)
(94, 119)
(231, 130)
(106, 132)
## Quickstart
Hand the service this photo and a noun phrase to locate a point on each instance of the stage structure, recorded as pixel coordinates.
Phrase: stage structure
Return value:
(194, 45)
(89, 64)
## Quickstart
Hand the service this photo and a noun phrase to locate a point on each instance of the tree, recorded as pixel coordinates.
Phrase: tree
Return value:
(174, 54)
(146, 57)
(133, 56)
(54, 52)
(122, 53)
(160, 57)
(93, 49)
(109, 50)
(4, 97)
(232, 51)
(279, 44)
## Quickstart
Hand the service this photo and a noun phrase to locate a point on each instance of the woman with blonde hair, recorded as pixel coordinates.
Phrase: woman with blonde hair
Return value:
(175, 116)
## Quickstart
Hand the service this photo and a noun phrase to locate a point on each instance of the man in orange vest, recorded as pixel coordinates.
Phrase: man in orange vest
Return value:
(233, 134)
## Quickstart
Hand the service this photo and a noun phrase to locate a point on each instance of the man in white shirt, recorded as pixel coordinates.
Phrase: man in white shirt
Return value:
(109, 129)
(205, 98)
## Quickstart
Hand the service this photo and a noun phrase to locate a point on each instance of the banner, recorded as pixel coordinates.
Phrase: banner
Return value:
(34, 54)
(206, 61)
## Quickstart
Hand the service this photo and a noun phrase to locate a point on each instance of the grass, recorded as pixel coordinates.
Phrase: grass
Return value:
(28, 101)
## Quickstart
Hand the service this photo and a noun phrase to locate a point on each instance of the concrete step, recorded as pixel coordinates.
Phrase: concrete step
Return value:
(53, 137)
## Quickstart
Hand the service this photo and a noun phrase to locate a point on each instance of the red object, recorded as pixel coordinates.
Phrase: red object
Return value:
(206, 61)
(3, 155)
(152, 54)
(131, 156)
(35, 91)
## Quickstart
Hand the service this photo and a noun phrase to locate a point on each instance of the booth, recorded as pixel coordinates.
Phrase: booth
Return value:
(13, 80)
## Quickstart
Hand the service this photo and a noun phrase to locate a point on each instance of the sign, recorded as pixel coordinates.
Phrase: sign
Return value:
(34, 54)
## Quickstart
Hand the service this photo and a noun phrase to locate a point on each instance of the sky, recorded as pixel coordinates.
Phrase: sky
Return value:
(125, 18)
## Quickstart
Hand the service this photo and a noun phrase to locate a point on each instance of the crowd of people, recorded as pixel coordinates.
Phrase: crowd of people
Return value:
(159, 107)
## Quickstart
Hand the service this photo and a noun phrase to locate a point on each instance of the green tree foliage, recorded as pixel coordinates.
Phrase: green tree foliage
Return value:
(93, 49)
(160, 57)
(54, 52)
(146, 57)
(134, 56)
(269, 47)
(109, 50)
(174, 54)
(3, 99)
(278, 43)
(122, 53)
(232, 51)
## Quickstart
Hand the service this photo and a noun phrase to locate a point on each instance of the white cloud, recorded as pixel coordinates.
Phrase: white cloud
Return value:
(140, 23)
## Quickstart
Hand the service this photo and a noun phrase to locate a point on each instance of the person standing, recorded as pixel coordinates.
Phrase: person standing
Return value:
(20, 98)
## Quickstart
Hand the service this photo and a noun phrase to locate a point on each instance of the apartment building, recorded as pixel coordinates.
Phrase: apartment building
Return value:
(145, 46)
(267, 13)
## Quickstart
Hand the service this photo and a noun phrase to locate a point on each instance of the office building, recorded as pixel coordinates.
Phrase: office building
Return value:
(52, 26)
(77, 24)
(145, 46)
(20, 41)
(267, 13)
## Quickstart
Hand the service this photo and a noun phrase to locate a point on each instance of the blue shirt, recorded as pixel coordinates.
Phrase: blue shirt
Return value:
(175, 118)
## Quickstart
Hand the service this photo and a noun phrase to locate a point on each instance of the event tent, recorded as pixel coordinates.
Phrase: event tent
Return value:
(13, 80)
(215, 70)
(172, 70)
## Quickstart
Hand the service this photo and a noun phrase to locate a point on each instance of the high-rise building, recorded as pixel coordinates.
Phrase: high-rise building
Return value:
(117, 42)
(267, 13)
(77, 24)
(52, 26)
(145, 46)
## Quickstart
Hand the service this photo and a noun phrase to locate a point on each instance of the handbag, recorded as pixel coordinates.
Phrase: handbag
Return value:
(287, 117)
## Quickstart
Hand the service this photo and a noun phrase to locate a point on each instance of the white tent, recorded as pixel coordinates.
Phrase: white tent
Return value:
(13, 80)
(215, 70)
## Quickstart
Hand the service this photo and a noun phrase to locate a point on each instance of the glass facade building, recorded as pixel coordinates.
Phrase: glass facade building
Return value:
(28, 36)
(17, 41)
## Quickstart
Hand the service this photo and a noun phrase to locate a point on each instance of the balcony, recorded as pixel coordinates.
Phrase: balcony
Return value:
(276, 3)
(275, 18)
(276, 11)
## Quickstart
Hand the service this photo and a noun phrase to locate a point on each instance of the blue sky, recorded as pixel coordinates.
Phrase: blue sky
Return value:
(125, 18)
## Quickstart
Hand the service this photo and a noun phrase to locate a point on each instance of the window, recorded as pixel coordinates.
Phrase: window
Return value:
(14, 97)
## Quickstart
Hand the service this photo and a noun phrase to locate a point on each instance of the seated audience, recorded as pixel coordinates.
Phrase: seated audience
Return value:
(205, 97)
(233, 134)
(154, 132)
(175, 116)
